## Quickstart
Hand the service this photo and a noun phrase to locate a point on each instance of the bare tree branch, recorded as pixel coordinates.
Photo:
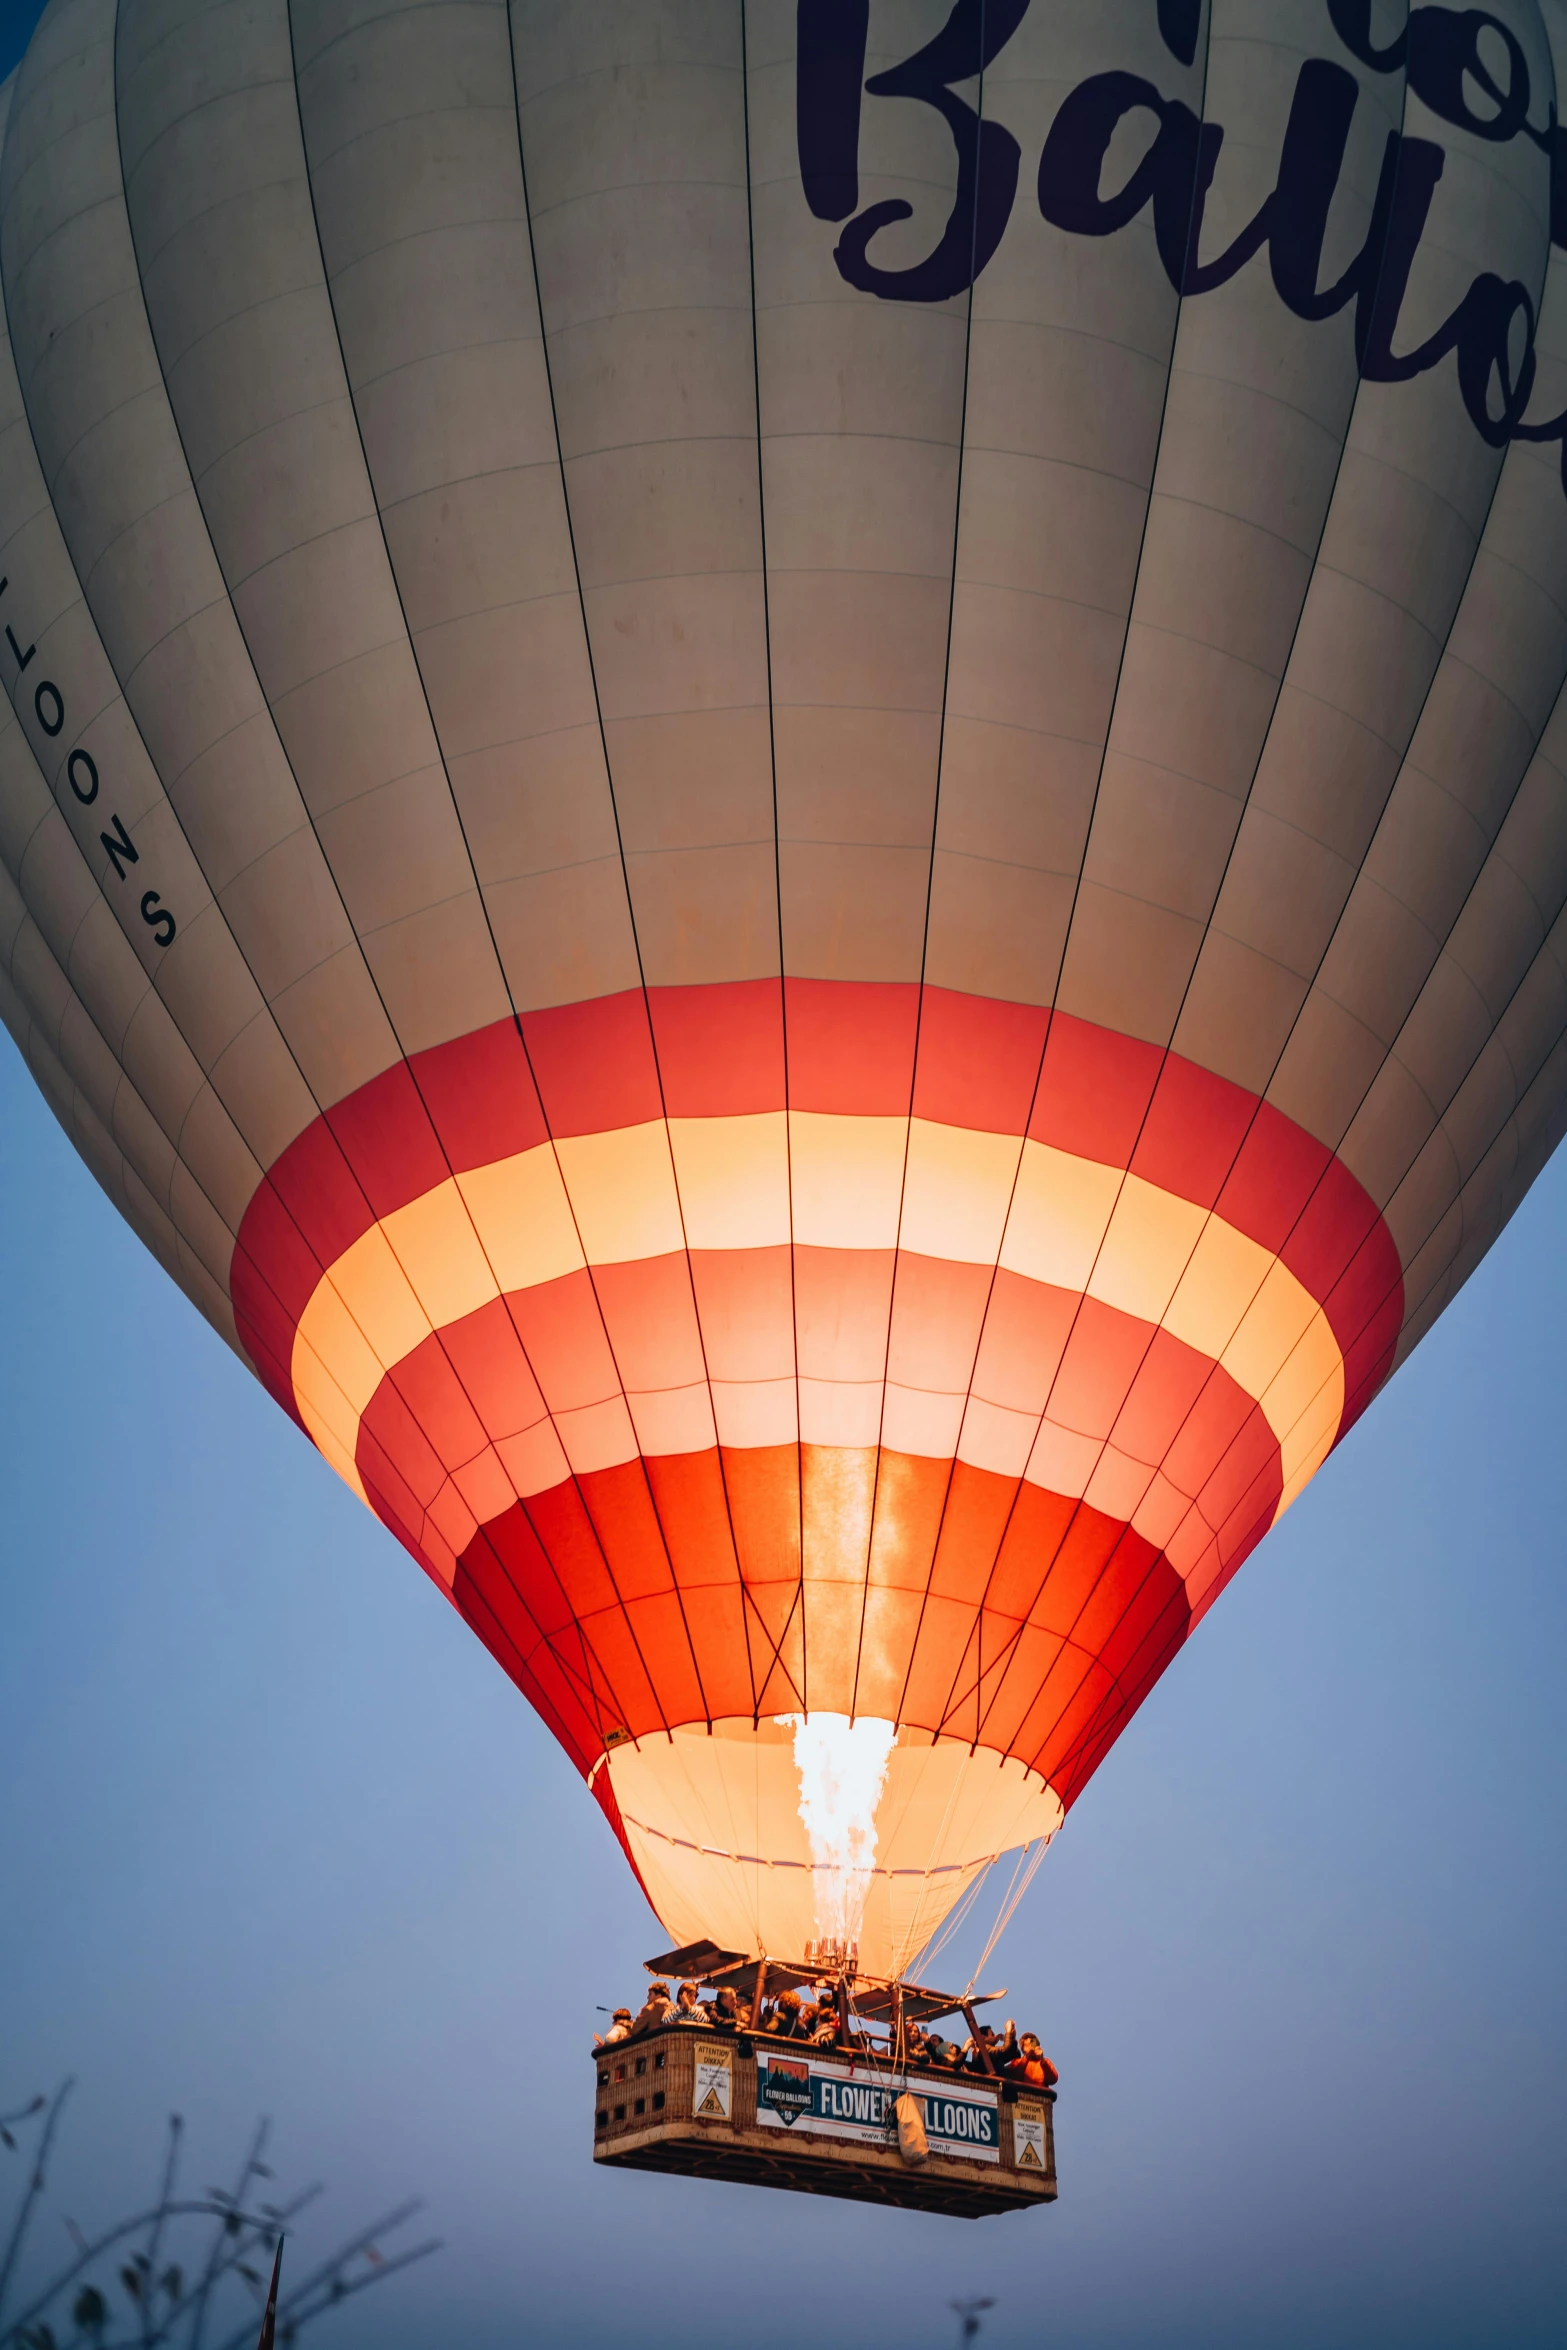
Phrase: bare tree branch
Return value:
(292, 2317)
(199, 2208)
(33, 2189)
(162, 2310)
(209, 2274)
(171, 2165)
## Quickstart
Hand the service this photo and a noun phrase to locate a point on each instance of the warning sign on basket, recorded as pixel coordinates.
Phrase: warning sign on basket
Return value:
(1028, 2137)
(711, 2100)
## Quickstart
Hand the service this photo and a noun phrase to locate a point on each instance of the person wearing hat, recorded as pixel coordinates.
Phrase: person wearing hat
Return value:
(619, 2029)
(655, 2009)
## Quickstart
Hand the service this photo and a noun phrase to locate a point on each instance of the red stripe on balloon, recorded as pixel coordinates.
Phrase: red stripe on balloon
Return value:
(851, 1051)
(644, 1561)
(1110, 1615)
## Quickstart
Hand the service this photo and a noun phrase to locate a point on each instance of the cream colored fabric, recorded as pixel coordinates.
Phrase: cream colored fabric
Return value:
(713, 1822)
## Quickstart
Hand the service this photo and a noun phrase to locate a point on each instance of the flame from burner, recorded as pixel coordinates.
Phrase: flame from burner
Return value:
(842, 1766)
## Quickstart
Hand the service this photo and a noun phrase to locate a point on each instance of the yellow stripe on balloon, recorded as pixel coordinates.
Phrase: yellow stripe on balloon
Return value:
(966, 1197)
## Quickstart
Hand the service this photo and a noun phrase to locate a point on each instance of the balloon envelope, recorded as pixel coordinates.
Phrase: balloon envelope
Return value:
(784, 792)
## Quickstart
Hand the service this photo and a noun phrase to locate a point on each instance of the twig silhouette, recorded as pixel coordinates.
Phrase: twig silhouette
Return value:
(148, 2291)
(36, 2176)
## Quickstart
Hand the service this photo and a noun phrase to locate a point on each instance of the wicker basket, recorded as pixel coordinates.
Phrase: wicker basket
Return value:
(771, 2113)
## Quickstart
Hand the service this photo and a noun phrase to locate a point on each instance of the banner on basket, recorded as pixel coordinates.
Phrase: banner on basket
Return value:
(839, 2101)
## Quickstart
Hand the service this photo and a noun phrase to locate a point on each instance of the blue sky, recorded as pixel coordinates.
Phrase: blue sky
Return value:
(277, 1836)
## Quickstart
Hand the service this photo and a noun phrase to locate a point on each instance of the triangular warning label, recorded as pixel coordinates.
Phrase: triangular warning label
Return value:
(711, 2103)
(1029, 2160)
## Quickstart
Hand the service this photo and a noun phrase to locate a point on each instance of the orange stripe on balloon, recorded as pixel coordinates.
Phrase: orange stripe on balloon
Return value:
(1062, 1224)
(487, 1098)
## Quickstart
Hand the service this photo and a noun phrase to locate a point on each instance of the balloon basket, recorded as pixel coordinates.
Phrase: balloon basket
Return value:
(715, 2108)
(764, 2111)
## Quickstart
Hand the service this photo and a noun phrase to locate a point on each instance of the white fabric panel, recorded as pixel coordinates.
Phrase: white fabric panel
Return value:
(1065, 396)
(861, 405)
(1300, 845)
(50, 870)
(1259, 407)
(109, 1027)
(245, 332)
(108, 1165)
(188, 671)
(110, 991)
(1511, 901)
(412, 131)
(636, 182)
(1253, 425)
(1467, 863)
(1414, 494)
(1501, 1074)
(51, 1003)
(68, 321)
(1470, 752)
(1493, 1193)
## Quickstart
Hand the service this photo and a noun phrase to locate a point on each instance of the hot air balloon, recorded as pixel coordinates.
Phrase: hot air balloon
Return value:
(784, 792)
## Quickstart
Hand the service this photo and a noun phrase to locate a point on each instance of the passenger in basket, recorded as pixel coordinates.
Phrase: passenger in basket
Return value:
(655, 2009)
(687, 2008)
(1033, 2065)
(1004, 2053)
(619, 2029)
(724, 2014)
(938, 2052)
(827, 2024)
(987, 2046)
(786, 2022)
